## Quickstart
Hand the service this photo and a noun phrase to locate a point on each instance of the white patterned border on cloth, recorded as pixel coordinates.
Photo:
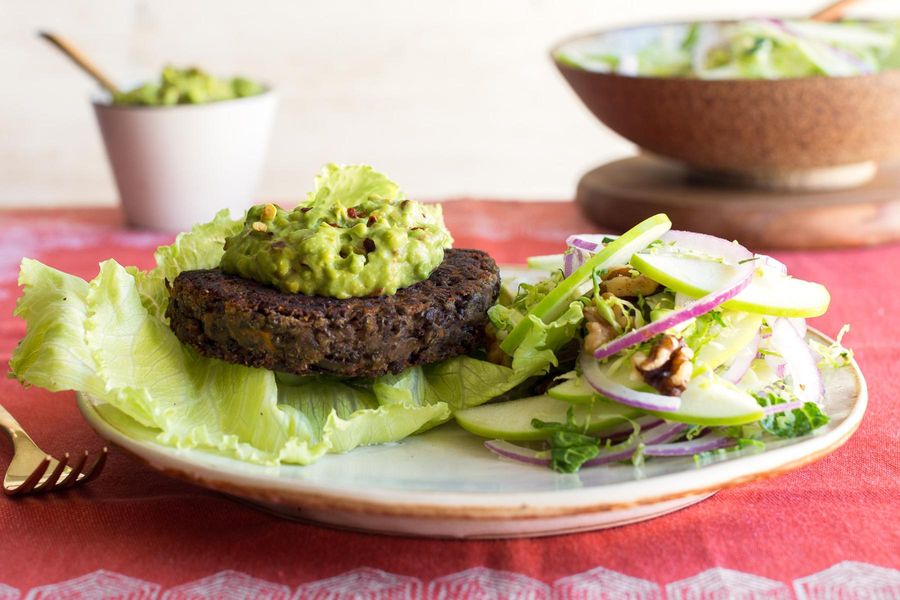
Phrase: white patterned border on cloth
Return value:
(846, 580)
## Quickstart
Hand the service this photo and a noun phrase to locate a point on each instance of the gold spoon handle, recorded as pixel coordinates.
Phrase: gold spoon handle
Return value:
(833, 11)
(81, 59)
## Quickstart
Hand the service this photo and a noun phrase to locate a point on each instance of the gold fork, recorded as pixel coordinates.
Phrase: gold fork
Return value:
(33, 471)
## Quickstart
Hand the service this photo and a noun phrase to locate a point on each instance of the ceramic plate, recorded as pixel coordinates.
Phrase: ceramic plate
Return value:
(445, 483)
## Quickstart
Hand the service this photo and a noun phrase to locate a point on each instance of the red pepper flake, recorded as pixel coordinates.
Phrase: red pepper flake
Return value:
(417, 229)
(372, 220)
(306, 209)
(333, 224)
(368, 245)
(351, 212)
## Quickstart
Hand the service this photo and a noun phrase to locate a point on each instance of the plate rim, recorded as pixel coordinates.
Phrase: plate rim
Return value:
(481, 506)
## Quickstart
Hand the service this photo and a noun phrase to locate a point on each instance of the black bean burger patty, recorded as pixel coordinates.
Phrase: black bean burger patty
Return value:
(241, 321)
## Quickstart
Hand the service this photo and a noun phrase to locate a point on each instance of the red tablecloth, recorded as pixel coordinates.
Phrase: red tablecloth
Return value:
(828, 530)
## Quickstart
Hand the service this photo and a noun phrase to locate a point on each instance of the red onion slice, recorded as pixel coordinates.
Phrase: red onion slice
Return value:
(623, 430)
(688, 311)
(732, 252)
(573, 259)
(783, 407)
(591, 242)
(517, 453)
(595, 374)
(660, 434)
(742, 362)
(799, 324)
(801, 365)
(705, 443)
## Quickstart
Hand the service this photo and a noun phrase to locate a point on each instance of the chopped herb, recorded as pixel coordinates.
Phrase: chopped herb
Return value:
(570, 447)
(790, 424)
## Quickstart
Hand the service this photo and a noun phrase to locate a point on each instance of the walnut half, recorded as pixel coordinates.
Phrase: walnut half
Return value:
(599, 330)
(668, 367)
(625, 282)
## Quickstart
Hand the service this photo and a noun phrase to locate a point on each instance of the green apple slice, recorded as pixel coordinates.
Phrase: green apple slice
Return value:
(760, 375)
(742, 328)
(769, 293)
(616, 252)
(511, 420)
(546, 262)
(710, 400)
(574, 391)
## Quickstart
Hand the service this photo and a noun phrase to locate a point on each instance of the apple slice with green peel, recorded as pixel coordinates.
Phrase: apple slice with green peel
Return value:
(574, 391)
(742, 328)
(709, 400)
(546, 262)
(760, 374)
(616, 252)
(769, 293)
(511, 420)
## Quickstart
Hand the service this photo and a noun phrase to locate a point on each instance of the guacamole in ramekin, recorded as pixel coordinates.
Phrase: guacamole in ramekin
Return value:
(188, 86)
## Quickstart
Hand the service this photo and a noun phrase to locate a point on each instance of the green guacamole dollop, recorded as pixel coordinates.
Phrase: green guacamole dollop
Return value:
(356, 235)
(188, 86)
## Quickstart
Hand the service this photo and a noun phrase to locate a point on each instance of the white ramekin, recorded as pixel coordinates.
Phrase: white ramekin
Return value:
(176, 166)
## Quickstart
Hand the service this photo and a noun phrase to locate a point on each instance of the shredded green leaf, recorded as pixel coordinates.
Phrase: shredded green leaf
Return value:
(570, 447)
(834, 355)
(790, 424)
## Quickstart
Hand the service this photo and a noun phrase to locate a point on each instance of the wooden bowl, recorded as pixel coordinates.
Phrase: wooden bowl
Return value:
(811, 132)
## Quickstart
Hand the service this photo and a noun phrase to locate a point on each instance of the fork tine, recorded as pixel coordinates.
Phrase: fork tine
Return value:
(32, 480)
(72, 476)
(49, 482)
(94, 470)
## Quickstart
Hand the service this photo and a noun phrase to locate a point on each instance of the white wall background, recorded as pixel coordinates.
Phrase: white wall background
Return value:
(451, 98)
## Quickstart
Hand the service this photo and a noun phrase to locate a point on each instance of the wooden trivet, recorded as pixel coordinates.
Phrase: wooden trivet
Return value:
(619, 194)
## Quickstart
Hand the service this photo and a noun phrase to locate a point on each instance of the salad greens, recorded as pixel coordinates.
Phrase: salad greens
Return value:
(700, 379)
(793, 423)
(712, 376)
(109, 338)
(749, 49)
(570, 446)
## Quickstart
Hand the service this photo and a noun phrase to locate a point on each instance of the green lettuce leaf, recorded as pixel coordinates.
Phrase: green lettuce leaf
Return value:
(109, 338)
(353, 181)
(537, 352)
(463, 382)
(201, 248)
(347, 416)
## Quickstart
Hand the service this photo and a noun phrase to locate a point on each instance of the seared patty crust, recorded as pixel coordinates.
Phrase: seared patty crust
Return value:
(242, 321)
